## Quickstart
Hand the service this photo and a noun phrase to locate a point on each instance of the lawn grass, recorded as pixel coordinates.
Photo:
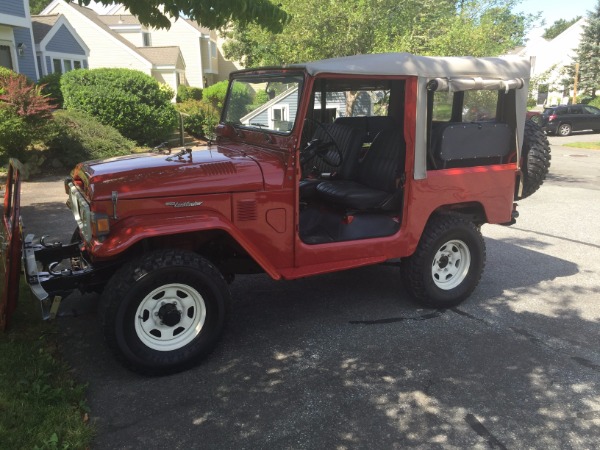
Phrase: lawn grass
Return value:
(586, 145)
(41, 406)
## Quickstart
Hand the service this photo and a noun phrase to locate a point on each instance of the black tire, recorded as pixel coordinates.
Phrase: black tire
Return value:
(564, 129)
(535, 159)
(449, 244)
(167, 291)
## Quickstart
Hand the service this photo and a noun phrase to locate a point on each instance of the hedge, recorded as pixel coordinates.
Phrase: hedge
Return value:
(200, 118)
(51, 88)
(240, 98)
(80, 137)
(130, 101)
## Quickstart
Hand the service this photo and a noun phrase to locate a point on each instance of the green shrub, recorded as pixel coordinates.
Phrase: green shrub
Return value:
(185, 93)
(5, 75)
(24, 114)
(51, 88)
(130, 101)
(595, 102)
(200, 118)
(531, 103)
(240, 98)
(81, 137)
(15, 134)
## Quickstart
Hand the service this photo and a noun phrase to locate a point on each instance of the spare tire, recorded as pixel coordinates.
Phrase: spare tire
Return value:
(535, 159)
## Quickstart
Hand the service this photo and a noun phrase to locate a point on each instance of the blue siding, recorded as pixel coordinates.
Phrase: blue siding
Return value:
(13, 7)
(64, 42)
(49, 68)
(26, 63)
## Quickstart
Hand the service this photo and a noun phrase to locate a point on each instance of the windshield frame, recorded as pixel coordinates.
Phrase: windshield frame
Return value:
(264, 77)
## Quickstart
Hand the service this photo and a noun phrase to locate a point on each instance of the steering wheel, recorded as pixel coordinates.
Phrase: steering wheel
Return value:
(325, 148)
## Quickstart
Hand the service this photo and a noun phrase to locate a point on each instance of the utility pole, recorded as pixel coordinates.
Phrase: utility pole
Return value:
(575, 83)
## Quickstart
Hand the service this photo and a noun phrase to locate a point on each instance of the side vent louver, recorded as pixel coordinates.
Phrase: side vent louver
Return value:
(246, 210)
(219, 168)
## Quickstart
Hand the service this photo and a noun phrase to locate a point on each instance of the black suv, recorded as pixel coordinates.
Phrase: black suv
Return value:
(562, 120)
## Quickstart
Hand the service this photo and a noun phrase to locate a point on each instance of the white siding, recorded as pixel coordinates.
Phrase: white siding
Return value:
(187, 39)
(105, 51)
(135, 37)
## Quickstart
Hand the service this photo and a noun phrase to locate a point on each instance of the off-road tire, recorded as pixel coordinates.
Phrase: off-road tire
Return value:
(134, 284)
(418, 270)
(535, 159)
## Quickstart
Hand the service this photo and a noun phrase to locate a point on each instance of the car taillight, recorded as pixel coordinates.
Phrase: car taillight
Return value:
(552, 117)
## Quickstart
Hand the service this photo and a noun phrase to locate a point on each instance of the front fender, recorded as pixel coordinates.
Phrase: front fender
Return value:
(132, 230)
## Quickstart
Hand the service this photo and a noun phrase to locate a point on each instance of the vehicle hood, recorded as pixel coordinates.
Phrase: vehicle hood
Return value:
(202, 170)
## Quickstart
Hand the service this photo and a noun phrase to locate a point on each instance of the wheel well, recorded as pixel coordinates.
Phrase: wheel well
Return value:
(473, 211)
(215, 245)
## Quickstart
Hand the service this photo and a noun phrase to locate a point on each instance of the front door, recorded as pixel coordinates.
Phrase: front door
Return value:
(10, 244)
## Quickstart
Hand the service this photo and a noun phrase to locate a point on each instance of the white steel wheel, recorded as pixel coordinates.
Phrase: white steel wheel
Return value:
(448, 262)
(164, 311)
(451, 264)
(170, 317)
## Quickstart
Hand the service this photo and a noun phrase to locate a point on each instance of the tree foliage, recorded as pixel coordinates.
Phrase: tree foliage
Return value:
(558, 27)
(329, 28)
(210, 13)
(131, 101)
(588, 53)
(36, 6)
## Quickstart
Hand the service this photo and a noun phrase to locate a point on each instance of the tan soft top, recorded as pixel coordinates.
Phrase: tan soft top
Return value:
(506, 67)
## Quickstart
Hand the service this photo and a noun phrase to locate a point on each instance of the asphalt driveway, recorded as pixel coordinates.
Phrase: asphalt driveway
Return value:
(348, 361)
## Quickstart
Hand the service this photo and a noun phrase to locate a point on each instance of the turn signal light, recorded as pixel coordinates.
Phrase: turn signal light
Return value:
(100, 225)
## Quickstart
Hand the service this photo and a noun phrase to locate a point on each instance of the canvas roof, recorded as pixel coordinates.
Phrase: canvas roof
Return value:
(507, 67)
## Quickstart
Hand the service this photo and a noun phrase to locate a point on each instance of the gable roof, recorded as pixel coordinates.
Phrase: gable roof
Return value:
(95, 19)
(270, 103)
(196, 26)
(161, 56)
(120, 19)
(41, 25)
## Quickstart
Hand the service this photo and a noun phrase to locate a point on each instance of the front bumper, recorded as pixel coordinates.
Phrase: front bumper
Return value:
(55, 270)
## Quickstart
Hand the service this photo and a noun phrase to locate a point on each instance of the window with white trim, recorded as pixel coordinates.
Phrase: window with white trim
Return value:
(6, 58)
(61, 65)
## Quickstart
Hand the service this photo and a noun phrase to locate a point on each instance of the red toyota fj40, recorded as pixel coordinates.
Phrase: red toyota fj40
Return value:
(346, 162)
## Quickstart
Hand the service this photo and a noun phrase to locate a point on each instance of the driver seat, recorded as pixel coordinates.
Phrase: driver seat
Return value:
(378, 186)
(349, 141)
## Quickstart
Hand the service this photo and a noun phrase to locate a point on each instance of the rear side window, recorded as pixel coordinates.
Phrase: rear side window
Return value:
(560, 111)
(575, 110)
(479, 106)
(591, 110)
(442, 106)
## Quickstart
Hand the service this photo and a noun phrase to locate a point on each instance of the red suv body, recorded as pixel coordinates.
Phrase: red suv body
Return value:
(339, 164)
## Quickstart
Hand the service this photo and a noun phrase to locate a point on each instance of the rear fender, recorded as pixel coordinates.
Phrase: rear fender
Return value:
(133, 230)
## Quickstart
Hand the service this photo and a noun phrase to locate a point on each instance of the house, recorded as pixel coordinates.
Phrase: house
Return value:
(17, 50)
(58, 47)
(109, 48)
(279, 113)
(549, 58)
(200, 47)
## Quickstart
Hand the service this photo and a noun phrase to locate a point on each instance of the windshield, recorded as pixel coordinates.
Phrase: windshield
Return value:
(264, 102)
